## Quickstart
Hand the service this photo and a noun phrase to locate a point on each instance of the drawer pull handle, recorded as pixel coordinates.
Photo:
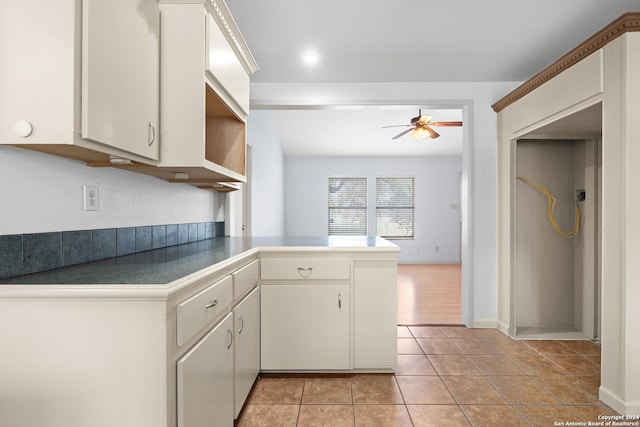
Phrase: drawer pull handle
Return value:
(241, 325)
(211, 304)
(230, 334)
(305, 272)
(340, 301)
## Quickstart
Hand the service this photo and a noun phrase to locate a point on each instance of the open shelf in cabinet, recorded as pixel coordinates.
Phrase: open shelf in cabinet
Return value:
(225, 134)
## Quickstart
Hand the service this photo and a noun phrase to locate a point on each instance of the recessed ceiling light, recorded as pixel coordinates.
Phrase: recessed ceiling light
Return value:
(310, 57)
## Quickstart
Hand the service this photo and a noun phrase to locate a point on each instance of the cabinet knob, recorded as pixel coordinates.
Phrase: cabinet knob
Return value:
(211, 304)
(339, 301)
(241, 325)
(23, 128)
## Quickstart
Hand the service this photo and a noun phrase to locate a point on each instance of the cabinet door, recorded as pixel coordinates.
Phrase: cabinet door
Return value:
(205, 380)
(36, 70)
(246, 322)
(120, 74)
(375, 314)
(305, 327)
(225, 66)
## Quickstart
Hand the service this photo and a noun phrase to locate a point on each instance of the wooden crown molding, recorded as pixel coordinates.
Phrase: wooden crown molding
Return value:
(628, 22)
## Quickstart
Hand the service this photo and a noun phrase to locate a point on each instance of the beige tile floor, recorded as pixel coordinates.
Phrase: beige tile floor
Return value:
(446, 376)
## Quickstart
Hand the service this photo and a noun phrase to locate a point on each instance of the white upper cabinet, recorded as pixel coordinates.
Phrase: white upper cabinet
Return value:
(205, 68)
(225, 67)
(80, 78)
(93, 80)
(120, 78)
(37, 71)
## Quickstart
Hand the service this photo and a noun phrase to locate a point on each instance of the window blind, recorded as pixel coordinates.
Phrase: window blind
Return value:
(347, 206)
(394, 207)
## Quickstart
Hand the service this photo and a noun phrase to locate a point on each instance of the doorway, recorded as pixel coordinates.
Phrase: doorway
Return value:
(290, 128)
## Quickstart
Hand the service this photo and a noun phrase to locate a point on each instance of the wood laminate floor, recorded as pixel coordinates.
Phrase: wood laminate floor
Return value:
(429, 294)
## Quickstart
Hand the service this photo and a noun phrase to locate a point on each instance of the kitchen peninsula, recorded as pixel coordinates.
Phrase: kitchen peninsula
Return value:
(151, 339)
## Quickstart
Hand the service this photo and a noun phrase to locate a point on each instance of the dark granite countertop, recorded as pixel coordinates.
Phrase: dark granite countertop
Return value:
(163, 266)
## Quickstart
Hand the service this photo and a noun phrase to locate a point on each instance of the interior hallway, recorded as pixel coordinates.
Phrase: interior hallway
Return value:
(446, 376)
(429, 294)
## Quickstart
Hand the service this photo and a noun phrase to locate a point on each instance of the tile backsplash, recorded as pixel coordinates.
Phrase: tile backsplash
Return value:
(22, 254)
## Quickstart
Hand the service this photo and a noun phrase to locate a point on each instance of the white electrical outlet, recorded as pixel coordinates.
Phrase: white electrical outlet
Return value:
(90, 197)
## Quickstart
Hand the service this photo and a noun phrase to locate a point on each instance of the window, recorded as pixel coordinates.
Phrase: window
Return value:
(347, 206)
(394, 207)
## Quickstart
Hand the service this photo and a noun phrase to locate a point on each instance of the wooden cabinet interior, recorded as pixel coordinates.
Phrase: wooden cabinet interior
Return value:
(225, 135)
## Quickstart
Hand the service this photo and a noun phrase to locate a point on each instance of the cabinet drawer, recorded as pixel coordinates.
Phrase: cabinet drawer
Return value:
(202, 308)
(245, 279)
(305, 268)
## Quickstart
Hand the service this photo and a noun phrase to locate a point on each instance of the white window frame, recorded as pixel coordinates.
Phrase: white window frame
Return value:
(358, 230)
(381, 208)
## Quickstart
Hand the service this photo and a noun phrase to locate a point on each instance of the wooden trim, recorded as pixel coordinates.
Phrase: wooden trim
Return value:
(108, 164)
(628, 22)
(200, 181)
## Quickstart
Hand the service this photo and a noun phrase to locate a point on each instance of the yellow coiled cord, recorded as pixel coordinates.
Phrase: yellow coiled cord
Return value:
(551, 207)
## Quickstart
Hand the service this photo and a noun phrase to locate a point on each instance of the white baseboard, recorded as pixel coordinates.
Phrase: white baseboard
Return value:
(617, 404)
(429, 263)
(485, 323)
(503, 327)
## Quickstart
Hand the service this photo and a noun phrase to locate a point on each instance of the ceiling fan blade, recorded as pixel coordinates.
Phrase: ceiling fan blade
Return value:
(445, 124)
(432, 133)
(395, 126)
(403, 133)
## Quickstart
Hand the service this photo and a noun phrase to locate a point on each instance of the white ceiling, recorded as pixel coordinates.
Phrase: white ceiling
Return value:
(358, 131)
(405, 41)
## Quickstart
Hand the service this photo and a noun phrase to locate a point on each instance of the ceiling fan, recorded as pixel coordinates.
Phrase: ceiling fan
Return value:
(421, 127)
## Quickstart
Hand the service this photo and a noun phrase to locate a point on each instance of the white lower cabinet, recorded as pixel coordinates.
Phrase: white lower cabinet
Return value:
(375, 314)
(205, 379)
(305, 327)
(195, 346)
(246, 321)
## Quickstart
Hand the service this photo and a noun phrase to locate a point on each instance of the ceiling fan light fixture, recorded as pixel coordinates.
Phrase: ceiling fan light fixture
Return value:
(419, 133)
(421, 127)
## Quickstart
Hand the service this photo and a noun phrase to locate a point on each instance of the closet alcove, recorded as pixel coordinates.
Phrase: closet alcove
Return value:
(556, 283)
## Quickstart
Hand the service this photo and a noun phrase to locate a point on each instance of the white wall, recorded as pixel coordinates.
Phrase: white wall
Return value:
(437, 184)
(267, 172)
(479, 247)
(42, 193)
